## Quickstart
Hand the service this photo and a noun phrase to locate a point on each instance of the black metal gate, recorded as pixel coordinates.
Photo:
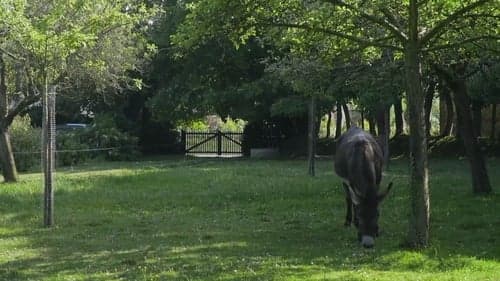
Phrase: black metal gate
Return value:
(212, 142)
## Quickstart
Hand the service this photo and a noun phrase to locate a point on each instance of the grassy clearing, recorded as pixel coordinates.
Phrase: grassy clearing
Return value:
(238, 220)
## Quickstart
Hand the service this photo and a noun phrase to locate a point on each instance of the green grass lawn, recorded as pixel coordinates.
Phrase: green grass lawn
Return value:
(186, 219)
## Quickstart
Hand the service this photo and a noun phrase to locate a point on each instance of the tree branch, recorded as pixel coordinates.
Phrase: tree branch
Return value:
(9, 54)
(359, 40)
(22, 106)
(494, 51)
(440, 26)
(422, 2)
(456, 44)
(390, 17)
(384, 22)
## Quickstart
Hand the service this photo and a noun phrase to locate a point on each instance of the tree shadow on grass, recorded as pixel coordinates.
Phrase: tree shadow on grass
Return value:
(207, 224)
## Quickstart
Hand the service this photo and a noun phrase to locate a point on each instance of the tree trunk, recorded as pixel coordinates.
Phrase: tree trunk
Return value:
(477, 118)
(372, 126)
(311, 151)
(362, 119)
(446, 112)
(418, 231)
(9, 170)
(383, 132)
(493, 121)
(480, 179)
(429, 96)
(347, 115)
(338, 126)
(398, 117)
(328, 124)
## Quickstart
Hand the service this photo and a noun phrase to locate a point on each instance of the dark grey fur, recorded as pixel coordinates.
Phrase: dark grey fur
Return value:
(359, 161)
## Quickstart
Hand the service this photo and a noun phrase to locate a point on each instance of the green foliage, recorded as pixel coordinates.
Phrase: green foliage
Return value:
(448, 146)
(68, 143)
(26, 142)
(105, 134)
(226, 125)
(326, 146)
(305, 75)
(439, 147)
(484, 85)
(453, 147)
(254, 137)
(88, 47)
(232, 125)
(178, 219)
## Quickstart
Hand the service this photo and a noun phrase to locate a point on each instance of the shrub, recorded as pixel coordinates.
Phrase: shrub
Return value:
(399, 145)
(68, 144)
(160, 138)
(448, 146)
(26, 143)
(105, 134)
(326, 146)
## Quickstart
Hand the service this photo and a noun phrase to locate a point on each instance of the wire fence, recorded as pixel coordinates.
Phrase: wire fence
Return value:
(69, 150)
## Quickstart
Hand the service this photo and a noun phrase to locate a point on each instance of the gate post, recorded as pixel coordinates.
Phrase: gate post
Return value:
(219, 142)
(183, 141)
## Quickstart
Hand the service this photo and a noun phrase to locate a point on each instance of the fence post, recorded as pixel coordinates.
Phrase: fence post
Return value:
(219, 142)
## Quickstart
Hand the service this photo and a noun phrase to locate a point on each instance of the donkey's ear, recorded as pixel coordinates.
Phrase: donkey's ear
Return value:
(381, 196)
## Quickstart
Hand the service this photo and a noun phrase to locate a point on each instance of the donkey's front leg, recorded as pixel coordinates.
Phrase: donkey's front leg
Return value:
(348, 201)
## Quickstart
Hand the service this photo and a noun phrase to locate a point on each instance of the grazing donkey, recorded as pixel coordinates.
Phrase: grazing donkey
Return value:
(359, 161)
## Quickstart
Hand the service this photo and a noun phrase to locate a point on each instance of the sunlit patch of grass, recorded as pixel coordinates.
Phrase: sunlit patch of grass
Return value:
(193, 219)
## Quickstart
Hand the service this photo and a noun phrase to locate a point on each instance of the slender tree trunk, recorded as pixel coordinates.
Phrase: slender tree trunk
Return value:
(338, 126)
(446, 112)
(362, 119)
(493, 121)
(347, 115)
(9, 170)
(455, 130)
(328, 124)
(311, 151)
(398, 117)
(372, 126)
(480, 178)
(383, 132)
(418, 231)
(429, 96)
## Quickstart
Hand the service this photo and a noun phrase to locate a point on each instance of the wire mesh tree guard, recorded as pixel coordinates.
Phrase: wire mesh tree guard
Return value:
(48, 153)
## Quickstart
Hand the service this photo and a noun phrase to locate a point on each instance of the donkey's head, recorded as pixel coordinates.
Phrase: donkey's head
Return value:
(367, 214)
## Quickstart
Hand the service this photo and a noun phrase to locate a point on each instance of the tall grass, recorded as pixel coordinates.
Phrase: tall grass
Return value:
(184, 219)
